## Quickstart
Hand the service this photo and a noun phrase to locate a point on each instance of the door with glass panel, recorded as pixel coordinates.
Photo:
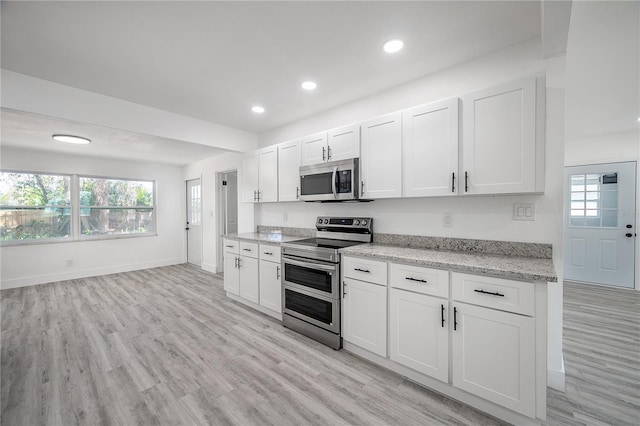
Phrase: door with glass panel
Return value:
(600, 223)
(194, 222)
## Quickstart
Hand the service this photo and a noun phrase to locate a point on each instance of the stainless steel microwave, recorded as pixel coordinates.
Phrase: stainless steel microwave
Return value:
(331, 181)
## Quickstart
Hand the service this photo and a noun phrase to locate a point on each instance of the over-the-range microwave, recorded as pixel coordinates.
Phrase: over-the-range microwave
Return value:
(331, 181)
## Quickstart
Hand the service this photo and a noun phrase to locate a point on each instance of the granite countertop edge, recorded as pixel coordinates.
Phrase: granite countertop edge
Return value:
(510, 267)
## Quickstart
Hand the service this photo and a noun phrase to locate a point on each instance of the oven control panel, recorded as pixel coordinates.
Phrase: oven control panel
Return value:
(325, 222)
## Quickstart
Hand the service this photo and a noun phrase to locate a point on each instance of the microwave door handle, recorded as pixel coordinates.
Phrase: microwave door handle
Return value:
(334, 186)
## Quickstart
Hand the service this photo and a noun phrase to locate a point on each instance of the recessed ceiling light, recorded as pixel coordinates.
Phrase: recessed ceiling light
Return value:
(71, 139)
(257, 109)
(309, 85)
(393, 46)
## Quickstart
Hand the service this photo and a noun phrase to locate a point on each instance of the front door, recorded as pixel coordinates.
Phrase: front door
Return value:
(194, 222)
(600, 223)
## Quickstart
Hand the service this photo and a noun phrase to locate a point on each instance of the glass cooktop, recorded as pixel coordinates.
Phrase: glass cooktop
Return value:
(327, 243)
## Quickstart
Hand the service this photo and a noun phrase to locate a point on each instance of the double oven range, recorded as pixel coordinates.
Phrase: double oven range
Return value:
(311, 284)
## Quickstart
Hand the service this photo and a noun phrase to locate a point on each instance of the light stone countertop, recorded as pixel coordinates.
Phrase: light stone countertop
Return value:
(262, 237)
(509, 267)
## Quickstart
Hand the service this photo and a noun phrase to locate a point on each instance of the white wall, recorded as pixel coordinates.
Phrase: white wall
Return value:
(603, 88)
(41, 263)
(488, 217)
(206, 170)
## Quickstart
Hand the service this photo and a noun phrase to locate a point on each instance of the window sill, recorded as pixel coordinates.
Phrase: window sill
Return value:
(80, 239)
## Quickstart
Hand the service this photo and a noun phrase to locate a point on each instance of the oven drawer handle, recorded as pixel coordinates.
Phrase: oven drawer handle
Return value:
(489, 293)
(310, 264)
(415, 279)
(362, 270)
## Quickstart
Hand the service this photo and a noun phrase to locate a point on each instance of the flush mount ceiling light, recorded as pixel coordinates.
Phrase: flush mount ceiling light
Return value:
(393, 46)
(257, 109)
(72, 139)
(309, 85)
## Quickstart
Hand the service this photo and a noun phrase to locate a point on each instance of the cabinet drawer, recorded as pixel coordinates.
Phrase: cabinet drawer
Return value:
(270, 252)
(231, 246)
(248, 249)
(372, 271)
(419, 279)
(506, 295)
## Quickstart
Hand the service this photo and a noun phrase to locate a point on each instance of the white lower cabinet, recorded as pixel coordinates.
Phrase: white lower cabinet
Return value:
(493, 355)
(231, 273)
(364, 315)
(419, 333)
(249, 284)
(270, 287)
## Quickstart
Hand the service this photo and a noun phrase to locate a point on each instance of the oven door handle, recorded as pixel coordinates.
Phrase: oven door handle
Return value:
(334, 186)
(310, 264)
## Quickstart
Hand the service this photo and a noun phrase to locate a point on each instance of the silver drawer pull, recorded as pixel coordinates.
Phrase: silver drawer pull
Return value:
(415, 279)
(489, 293)
(362, 270)
(246, 249)
(268, 253)
(229, 246)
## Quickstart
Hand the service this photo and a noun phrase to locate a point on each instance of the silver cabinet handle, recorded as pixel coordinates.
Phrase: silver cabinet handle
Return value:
(344, 289)
(362, 270)
(323, 154)
(255, 195)
(489, 293)
(239, 265)
(361, 187)
(297, 191)
(328, 152)
(453, 181)
(334, 187)
(415, 279)
(246, 249)
(277, 272)
(235, 264)
(229, 246)
(268, 253)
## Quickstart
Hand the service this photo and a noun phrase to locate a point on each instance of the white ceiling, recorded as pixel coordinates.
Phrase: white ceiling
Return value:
(34, 132)
(214, 60)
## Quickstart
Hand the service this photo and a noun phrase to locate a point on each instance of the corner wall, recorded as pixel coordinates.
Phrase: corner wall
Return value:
(42, 263)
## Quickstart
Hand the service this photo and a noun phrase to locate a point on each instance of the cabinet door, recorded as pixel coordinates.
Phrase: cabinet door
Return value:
(313, 149)
(381, 164)
(249, 178)
(249, 275)
(288, 171)
(494, 356)
(270, 287)
(499, 139)
(231, 274)
(430, 149)
(419, 335)
(343, 143)
(365, 315)
(268, 174)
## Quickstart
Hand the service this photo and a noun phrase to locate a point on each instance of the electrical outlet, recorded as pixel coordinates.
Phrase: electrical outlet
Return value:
(447, 221)
(524, 211)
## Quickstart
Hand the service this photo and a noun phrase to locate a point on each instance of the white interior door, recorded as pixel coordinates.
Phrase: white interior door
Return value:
(600, 223)
(194, 222)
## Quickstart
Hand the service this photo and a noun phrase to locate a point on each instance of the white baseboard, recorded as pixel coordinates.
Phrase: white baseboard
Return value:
(84, 273)
(210, 267)
(556, 378)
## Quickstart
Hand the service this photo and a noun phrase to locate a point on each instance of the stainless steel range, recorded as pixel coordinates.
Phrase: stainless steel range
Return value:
(311, 285)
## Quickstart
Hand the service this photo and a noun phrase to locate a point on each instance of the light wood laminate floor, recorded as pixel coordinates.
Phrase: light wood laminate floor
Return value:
(165, 346)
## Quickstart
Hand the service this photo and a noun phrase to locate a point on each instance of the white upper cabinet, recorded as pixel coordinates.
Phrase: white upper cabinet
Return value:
(314, 149)
(268, 174)
(288, 170)
(381, 159)
(337, 144)
(343, 143)
(249, 178)
(502, 140)
(430, 149)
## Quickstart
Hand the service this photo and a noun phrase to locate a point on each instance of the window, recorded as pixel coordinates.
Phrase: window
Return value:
(34, 206)
(43, 207)
(115, 207)
(594, 200)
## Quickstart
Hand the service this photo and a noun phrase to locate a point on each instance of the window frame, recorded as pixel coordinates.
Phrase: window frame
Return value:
(74, 206)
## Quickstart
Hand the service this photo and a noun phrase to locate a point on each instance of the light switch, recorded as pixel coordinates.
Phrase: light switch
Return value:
(524, 211)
